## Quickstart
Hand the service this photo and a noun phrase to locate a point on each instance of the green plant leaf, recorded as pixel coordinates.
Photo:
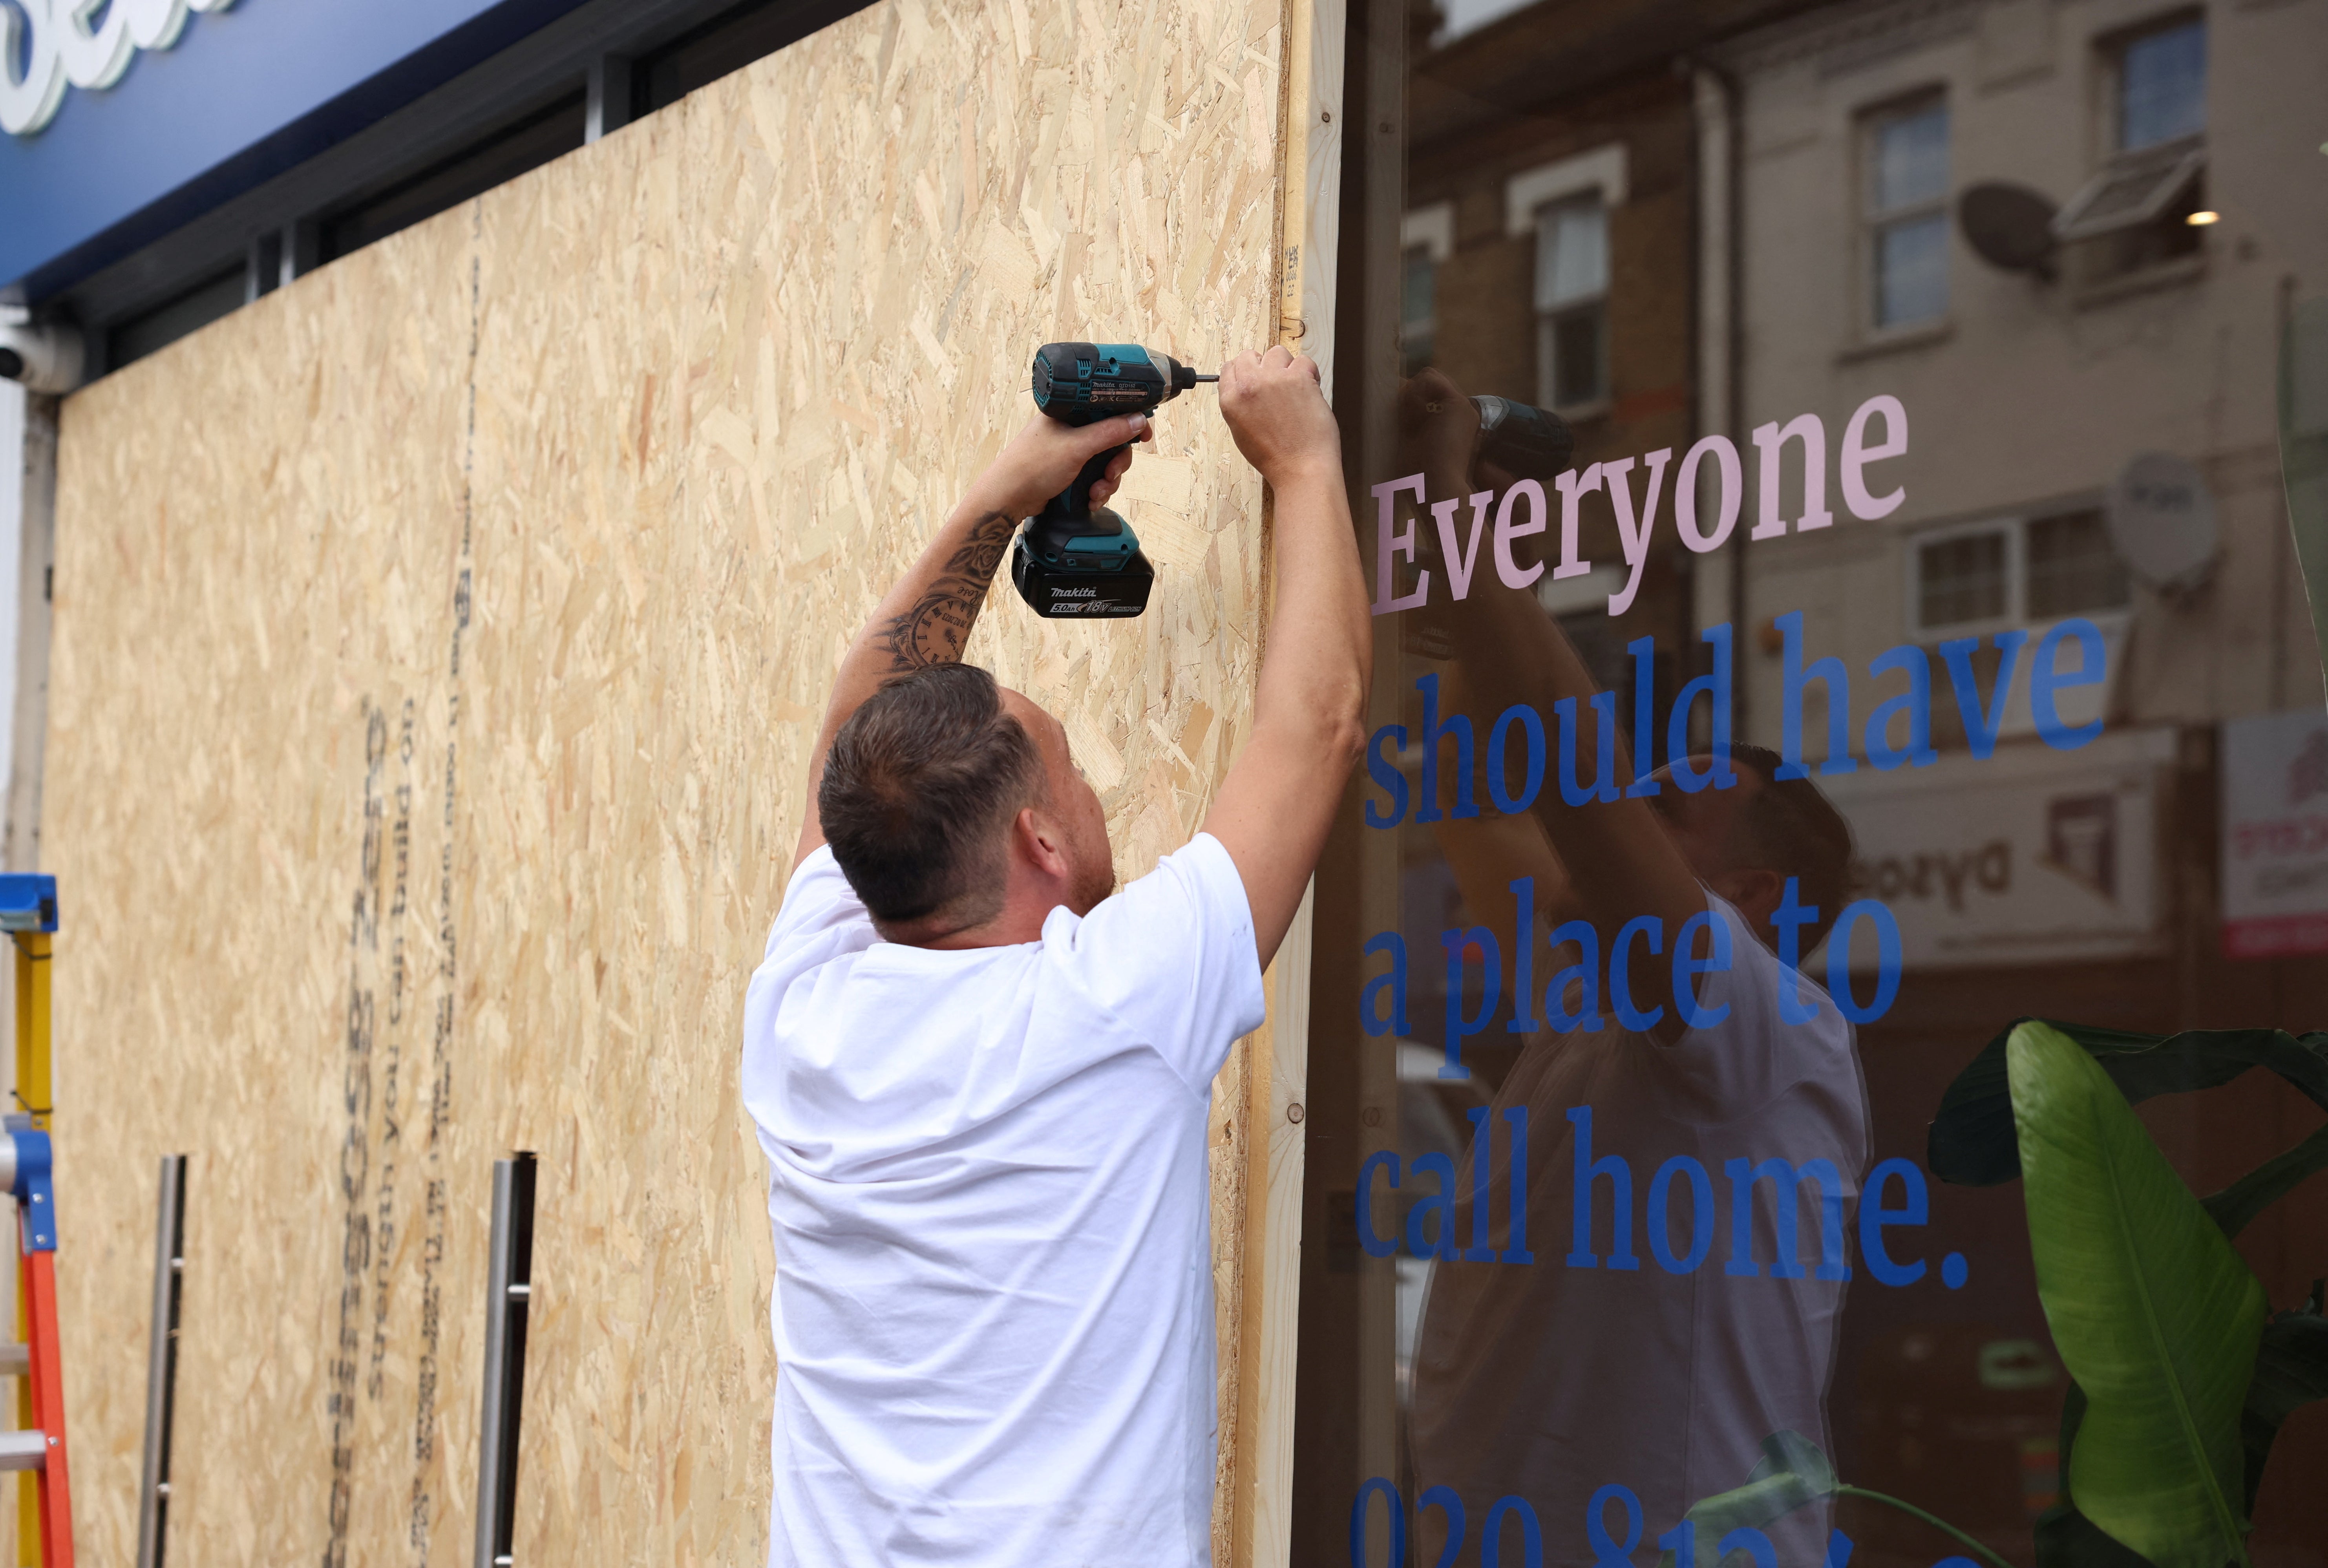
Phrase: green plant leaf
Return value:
(1973, 1141)
(2291, 1370)
(2151, 1311)
(2256, 1191)
(2068, 1539)
(1791, 1472)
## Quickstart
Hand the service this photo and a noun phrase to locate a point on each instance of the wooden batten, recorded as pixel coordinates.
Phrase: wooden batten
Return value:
(438, 644)
(1308, 231)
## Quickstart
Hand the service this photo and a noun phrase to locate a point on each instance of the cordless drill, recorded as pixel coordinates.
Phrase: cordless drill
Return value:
(1071, 559)
(1524, 440)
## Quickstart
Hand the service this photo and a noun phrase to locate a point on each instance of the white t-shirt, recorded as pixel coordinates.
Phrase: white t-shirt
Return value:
(993, 1306)
(1547, 1381)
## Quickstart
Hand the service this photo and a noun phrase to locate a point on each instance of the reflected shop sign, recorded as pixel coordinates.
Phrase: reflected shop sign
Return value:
(2031, 857)
(2275, 866)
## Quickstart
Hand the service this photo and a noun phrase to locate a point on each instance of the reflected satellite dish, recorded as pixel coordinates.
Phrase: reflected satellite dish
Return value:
(2010, 226)
(2160, 516)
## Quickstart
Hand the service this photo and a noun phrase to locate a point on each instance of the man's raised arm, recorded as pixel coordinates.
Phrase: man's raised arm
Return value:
(927, 616)
(1616, 855)
(1278, 799)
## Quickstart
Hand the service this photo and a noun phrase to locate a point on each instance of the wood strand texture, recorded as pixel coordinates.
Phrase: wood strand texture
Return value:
(438, 645)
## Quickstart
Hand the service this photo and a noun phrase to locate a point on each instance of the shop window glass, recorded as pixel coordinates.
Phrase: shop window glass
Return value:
(1572, 286)
(1907, 197)
(1987, 646)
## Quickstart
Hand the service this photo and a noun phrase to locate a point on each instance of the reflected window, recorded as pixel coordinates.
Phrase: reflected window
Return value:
(1963, 577)
(2072, 570)
(1426, 239)
(2017, 571)
(1906, 212)
(2135, 213)
(1418, 313)
(2162, 79)
(1572, 301)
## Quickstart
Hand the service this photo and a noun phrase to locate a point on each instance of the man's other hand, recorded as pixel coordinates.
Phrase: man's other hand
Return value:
(1044, 458)
(1278, 414)
(1439, 426)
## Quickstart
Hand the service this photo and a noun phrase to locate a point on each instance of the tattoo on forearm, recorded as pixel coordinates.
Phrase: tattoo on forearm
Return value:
(936, 628)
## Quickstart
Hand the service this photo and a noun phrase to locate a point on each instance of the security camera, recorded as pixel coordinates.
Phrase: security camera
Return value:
(45, 357)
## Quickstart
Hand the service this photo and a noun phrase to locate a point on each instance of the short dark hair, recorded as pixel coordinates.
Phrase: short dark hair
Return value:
(1789, 827)
(917, 789)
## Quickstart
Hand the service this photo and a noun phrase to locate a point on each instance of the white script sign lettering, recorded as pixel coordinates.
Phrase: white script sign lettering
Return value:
(48, 46)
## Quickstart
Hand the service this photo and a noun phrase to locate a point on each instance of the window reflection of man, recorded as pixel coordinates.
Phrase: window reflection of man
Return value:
(1547, 1381)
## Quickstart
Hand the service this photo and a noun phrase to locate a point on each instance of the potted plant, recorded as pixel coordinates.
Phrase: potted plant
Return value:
(2181, 1373)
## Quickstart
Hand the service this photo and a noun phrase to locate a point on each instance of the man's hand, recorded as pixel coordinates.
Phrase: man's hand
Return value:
(1044, 458)
(1439, 424)
(1310, 701)
(1277, 411)
(927, 616)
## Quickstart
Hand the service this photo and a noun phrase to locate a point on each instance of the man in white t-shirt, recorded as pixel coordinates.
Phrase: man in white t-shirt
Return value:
(1644, 1346)
(981, 1076)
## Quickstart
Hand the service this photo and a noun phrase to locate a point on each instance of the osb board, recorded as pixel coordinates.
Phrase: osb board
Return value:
(255, 567)
(438, 645)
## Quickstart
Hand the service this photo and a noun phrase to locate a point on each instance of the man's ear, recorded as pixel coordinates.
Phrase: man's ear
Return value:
(1038, 840)
(1754, 891)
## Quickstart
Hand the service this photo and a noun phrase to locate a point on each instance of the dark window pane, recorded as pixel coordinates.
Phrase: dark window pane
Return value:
(1911, 270)
(2072, 567)
(198, 307)
(1572, 257)
(1961, 580)
(500, 157)
(1575, 343)
(1418, 286)
(1908, 162)
(1418, 303)
(727, 43)
(2163, 86)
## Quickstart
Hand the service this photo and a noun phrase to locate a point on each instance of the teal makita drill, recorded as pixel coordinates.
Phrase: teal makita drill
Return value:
(1070, 560)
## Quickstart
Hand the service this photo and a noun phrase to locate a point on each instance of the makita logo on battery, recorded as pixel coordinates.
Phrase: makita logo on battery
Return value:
(1074, 593)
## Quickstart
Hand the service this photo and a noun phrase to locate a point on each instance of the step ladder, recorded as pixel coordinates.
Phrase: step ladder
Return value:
(28, 913)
